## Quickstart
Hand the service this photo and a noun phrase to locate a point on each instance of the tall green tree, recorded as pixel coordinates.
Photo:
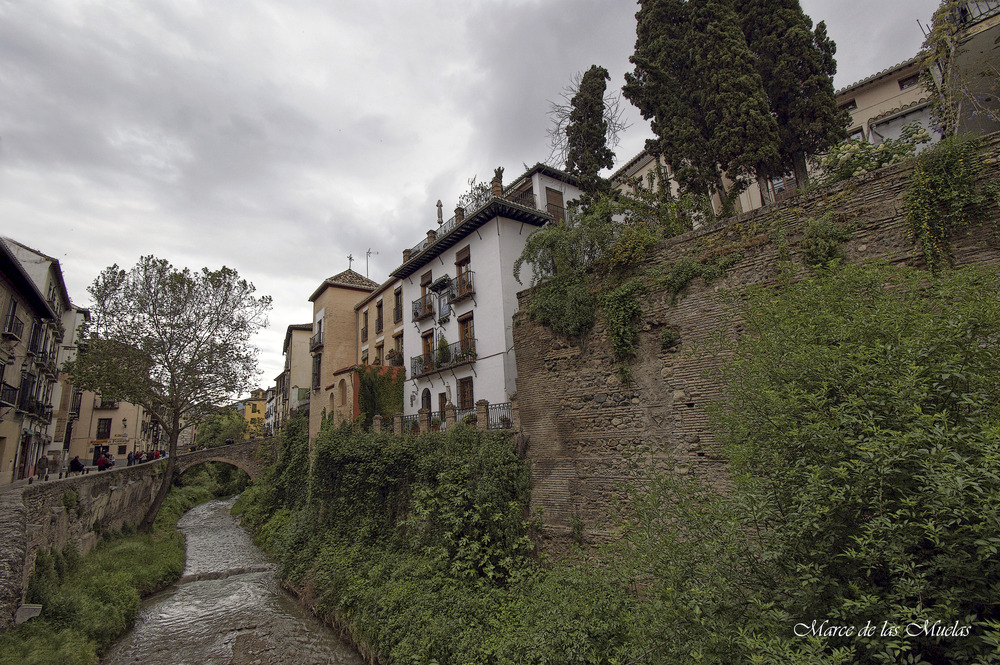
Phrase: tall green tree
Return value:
(796, 64)
(176, 342)
(587, 129)
(696, 80)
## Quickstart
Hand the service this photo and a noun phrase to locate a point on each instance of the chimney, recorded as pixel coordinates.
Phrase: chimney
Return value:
(406, 255)
(459, 214)
(431, 236)
(497, 183)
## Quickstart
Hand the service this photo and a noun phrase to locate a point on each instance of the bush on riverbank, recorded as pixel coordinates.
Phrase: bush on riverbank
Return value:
(89, 601)
(862, 424)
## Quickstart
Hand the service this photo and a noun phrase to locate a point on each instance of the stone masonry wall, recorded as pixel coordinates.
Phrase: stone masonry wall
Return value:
(583, 425)
(58, 512)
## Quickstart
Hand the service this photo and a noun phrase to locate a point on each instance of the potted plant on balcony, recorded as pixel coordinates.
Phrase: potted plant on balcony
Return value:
(435, 424)
(394, 358)
(443, 353)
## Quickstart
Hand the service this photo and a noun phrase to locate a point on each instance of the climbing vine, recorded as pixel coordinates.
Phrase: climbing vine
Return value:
(945, 196)
(622, 311)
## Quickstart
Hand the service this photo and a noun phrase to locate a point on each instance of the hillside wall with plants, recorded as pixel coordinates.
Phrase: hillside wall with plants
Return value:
(589, 416)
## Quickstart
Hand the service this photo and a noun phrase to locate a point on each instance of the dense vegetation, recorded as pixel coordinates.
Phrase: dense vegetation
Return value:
(862, 423)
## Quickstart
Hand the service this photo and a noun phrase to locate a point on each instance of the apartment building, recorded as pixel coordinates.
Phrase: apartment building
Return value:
(333, 344)
(460, 294)
(292, 386)
(29, 337)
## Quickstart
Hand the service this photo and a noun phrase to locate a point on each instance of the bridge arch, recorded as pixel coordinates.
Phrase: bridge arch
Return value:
(250, 456)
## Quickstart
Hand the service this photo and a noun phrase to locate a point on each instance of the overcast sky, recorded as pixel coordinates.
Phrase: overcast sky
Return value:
(278, 137)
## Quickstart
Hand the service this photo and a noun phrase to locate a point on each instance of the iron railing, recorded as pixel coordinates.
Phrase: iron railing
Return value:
(397, 313)
(364, 333)
(970, 12)
(443, 357)
(316, 341)
(101, 403)
(524, 198)
(378, 324)
(499, 416)
(8, 394)
(465, 286)
(411, 424)
(13, 326)
(74, 409)
(423, 307)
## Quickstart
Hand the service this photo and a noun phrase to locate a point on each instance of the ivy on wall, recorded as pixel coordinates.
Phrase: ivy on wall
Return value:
(945, 196)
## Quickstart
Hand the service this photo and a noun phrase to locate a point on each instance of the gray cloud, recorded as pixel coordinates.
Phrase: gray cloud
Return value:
(279, 138)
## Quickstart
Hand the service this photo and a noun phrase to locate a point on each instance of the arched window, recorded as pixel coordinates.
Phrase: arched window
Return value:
(342, 389)
(425, 399)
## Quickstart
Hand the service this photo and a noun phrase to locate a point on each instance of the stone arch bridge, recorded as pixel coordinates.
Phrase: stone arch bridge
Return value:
(250, 456)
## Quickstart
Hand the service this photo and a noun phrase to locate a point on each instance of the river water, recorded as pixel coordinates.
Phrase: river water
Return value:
(227, 609)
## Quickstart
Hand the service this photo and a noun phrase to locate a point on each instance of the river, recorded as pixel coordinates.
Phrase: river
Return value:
(227, 609)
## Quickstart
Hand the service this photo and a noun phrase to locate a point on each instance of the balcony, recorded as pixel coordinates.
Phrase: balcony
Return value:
(74, 409)
(13, 327)
(8, 394)
(423, 308)
(101, 403)
(316, 341)
(444, 357)
(378, 325)
(524, 198)
(47, 362)
(397, 313)
(465, 286)
(364, 333)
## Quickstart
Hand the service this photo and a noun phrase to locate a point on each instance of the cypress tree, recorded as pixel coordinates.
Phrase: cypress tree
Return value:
(586, 131)
(696, 80)
(796, 64)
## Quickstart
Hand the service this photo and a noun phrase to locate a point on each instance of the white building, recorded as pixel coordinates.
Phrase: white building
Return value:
(460, 293)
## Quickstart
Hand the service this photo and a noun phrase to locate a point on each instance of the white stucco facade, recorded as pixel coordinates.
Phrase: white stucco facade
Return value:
(460, 288)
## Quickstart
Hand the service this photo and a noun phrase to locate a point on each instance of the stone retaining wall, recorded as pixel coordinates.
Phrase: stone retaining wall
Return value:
(584, 426)
(55, 513)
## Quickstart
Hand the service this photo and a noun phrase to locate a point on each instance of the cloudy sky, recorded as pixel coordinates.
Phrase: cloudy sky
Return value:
(279, 137)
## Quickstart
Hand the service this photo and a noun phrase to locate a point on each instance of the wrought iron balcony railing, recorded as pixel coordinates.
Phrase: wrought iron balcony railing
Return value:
(424, 307)
(465, 286)
(13, 327)
(8, 394)
(444, 357)
(364, 333)
(316, 341)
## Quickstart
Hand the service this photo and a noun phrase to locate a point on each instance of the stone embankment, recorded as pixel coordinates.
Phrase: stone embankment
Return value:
(586, 428)
(55, 513)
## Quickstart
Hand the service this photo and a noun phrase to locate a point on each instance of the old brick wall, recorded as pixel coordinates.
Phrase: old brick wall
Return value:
(585, 428)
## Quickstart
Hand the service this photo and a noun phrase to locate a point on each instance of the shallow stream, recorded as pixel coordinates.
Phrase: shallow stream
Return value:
(227, 609)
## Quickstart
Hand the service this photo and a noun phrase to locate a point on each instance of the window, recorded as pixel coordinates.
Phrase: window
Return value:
(343, 391)
(317, 364)
(856, 134)
(364, 357)
(909, 81)
(554, 204)
(427, 344)
(465, 396)
(364, 326)
(397, 307)
(103, 428)
(378, 317)
(467, 334)
(379, 357)
(398, 340)
(850, 105)
(123, 450)
(253, 407)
